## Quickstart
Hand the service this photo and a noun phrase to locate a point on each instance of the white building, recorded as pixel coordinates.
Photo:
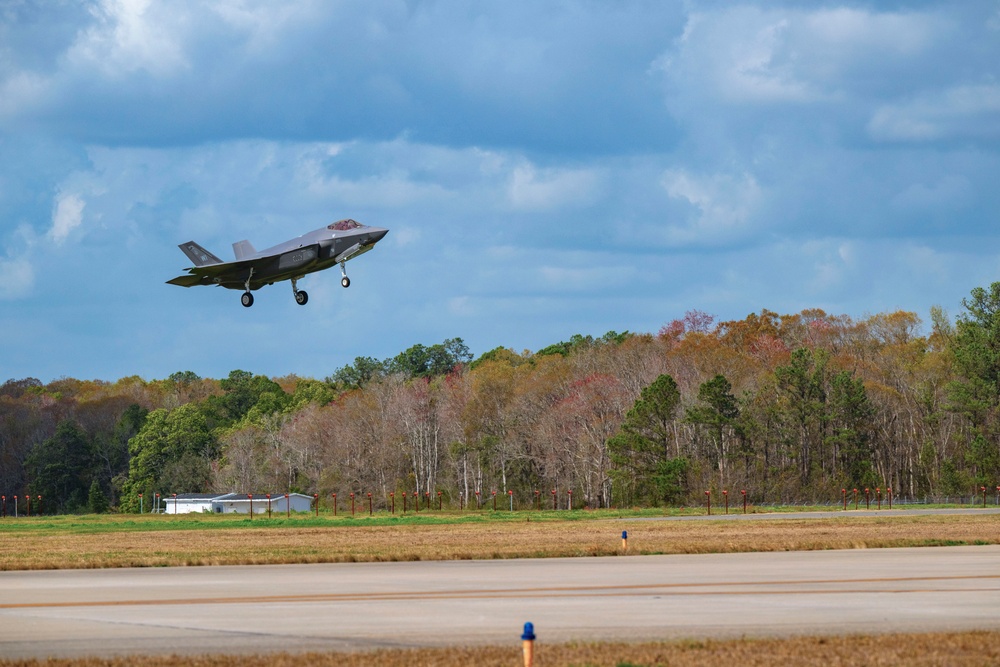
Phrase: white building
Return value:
(234, 503)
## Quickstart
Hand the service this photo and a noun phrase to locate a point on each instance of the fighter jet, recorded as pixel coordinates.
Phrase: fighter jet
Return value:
(334, 244)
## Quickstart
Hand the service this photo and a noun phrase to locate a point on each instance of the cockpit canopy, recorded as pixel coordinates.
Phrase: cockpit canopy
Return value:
(344, 225)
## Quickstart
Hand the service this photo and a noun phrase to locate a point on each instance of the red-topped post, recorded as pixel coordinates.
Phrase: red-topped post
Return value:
(479, 504)
(316, 500)
(510, 495)
(569, 503)
(370, 510)
(538, 498)
(868, 499)
(855, 499)
(288, 507)
(554, 499)
(725, 496)
(416, 502)
(269, 506)
(878, 495)
(249, 497)
(334, 503)
(352, 503)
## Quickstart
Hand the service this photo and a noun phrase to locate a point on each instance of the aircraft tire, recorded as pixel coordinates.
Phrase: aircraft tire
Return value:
(301, 297)
(345, 281)
(246, 299)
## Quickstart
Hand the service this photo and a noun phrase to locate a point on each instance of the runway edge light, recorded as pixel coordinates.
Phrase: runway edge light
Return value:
(528, 644)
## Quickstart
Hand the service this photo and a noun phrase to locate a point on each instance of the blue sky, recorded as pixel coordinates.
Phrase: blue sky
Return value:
(545, 169)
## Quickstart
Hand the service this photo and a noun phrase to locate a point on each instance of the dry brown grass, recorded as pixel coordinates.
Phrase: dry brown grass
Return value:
(55, 548)
(966, 649)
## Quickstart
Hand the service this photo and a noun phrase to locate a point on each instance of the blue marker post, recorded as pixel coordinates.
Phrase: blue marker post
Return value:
(528, 644)
(624, 540)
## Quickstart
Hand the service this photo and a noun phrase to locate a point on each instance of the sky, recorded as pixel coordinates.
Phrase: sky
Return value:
(544, 168)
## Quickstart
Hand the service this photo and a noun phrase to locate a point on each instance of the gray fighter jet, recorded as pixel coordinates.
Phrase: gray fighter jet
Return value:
(315, 251)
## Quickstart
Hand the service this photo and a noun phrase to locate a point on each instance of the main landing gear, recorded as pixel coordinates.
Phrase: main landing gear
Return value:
(344, 281)
(247, 298)
(301, 297)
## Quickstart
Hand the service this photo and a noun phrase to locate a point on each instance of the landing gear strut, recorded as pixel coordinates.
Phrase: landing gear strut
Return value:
(301, 297)
(345, 281)
(247, 298)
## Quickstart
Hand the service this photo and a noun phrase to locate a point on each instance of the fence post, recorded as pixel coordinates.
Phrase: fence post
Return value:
(269, 506)
(334, 503)
(249, 497)
(288, 507)
(392, 499)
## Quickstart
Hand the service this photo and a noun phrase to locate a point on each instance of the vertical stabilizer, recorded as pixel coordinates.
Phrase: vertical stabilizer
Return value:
(243, 249)
(198, 255)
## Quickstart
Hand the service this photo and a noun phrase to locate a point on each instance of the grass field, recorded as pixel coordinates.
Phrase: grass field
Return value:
(969, 649)
(151, 541)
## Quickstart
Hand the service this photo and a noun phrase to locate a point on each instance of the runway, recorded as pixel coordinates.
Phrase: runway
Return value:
(358, 606)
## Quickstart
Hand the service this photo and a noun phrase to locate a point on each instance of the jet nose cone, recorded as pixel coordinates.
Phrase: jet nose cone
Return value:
(376, 234)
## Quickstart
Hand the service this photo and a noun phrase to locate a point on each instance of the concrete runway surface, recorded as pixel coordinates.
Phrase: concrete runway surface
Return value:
(355, 606)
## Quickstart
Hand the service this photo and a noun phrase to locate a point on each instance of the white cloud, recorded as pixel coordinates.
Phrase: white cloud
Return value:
(724, 205)
(971, 111)
(132, 35)
(17, 276)
(770, 56)
(950, 192)
(535, 190)
(68, 215)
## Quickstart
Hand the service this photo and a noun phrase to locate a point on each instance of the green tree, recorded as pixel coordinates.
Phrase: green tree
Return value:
(803, 404)
(172, 453)
(851, 415)
(718, 413)
(59, 468)
(644, 468)
(976, 394)
(96, 500)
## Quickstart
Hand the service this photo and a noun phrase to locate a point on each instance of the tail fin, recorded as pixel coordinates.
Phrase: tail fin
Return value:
(243, 249)
(198, 255)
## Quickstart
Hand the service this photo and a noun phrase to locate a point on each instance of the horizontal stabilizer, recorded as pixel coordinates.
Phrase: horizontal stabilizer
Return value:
(189, 280)
(243, 249)
(198, 255)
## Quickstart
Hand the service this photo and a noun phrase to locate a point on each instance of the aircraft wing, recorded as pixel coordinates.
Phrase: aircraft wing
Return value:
(268, 266)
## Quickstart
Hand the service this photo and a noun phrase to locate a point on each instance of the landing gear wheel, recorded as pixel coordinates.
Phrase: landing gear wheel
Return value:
(246, 299)
(301, 297)
(345, 281)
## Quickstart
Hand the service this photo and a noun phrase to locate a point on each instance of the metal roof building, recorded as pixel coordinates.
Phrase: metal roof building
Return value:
(234, 503)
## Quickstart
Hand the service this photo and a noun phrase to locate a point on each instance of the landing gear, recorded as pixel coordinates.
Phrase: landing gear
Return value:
(345, 281)
(247, 298)
(301, 297)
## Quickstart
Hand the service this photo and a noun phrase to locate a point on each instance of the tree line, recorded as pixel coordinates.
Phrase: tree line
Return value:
(791, 408)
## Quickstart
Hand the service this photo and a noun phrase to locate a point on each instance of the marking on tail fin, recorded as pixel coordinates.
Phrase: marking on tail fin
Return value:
(198, 255)
(243, 249)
